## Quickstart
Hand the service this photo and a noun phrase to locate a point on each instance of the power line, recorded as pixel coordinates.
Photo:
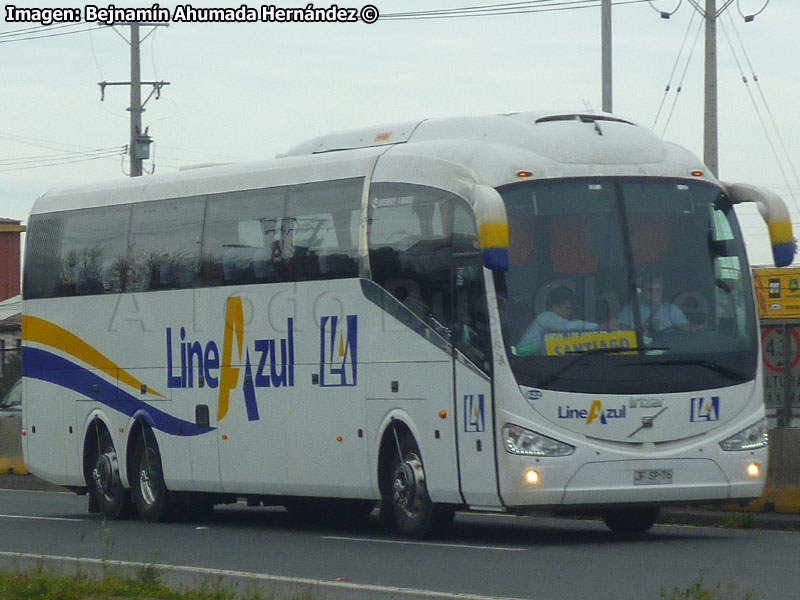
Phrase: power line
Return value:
(22, 166)
(749, 17)
(49, 35)
(59, 156)
(683, 77)
(42, 143)
(665, 14)
(674, 68)
(764, 127)
(484, 8)
(37, 29)
(512, 8)
(67, 153)
(788, 156)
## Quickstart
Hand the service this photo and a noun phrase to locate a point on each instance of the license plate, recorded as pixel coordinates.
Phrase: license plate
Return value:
(652, 477)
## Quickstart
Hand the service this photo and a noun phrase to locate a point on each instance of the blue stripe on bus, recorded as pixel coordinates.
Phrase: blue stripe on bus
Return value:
(46, 366)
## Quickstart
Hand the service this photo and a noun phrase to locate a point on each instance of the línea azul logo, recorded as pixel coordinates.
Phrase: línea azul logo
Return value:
(705, 411)
(596, 413)
(338, 351)
(267, 363)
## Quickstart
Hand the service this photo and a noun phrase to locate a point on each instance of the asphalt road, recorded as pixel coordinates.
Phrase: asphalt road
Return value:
(490, 556)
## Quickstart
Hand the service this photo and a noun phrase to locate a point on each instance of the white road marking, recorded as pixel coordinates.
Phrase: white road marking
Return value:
(2, 489)
(435, 544)
(320, 587)
(32, 518)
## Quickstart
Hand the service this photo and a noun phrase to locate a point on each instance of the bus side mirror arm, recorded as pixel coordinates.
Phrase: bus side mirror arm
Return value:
(490, 214)
(776, 215)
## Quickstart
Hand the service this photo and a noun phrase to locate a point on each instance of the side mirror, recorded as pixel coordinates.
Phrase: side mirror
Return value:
(774, 212)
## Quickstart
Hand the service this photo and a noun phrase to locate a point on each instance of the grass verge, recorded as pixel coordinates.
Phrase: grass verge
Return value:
(699, 591)
(146, 584)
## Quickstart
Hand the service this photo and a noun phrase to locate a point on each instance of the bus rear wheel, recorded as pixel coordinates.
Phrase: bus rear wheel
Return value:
(631, 521)
(406, 503)
(113, 500)
(150, 493)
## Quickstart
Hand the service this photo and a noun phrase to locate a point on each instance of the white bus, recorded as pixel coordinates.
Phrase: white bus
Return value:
(356, 321)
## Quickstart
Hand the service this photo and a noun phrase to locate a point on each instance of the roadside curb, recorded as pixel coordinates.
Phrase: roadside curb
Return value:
(729, 519)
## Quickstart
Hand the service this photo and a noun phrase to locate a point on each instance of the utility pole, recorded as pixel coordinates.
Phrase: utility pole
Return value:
(606, 51)
(710, 129)
(139, 145)
(136, 107)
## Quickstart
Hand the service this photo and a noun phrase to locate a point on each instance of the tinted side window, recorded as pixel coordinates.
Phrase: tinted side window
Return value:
(42, 256)
(241, 239)
(77, 253)
(294, 233)
(164, 245)
(410, 246)
(320, 230)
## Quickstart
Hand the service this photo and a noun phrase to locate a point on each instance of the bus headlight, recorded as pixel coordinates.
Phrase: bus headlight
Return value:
(753, 437)
(518, 440)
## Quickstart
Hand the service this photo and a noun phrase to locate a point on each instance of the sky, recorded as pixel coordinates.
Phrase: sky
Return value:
(248, 91)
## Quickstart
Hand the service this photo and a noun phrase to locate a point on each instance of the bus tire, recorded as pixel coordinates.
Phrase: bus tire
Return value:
(631, 521)
(406, 505)
(113, 500)
(150, 493)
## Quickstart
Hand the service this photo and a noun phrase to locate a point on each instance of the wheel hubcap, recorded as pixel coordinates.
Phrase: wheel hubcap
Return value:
(149, 482)
(106, 472)
(408, 488)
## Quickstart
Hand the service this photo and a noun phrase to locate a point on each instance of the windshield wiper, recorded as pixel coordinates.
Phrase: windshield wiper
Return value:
(577, 356)
(707, 364)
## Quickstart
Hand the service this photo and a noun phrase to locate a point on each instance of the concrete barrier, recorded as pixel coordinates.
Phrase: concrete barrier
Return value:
(11, 447)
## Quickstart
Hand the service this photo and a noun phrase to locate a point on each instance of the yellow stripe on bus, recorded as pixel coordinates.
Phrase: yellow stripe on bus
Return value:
(44, 332)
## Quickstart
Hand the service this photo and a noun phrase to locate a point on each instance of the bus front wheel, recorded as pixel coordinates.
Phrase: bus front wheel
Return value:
(149, 490)
(631, 521)
(406, 503)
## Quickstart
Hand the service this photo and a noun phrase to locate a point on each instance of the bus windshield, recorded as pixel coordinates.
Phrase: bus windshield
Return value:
(625, 286)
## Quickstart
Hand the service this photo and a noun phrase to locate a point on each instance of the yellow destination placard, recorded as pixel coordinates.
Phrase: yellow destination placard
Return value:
(562, 344)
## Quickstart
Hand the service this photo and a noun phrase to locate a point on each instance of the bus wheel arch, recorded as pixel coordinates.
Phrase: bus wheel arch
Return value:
(101, 471)
(405, 503)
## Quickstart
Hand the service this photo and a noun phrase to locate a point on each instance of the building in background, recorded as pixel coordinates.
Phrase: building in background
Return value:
(10, 298)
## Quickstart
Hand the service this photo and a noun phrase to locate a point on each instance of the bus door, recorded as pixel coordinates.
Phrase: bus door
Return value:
(473, 401)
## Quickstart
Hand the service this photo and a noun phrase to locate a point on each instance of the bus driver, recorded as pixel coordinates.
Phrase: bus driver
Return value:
(656, 314)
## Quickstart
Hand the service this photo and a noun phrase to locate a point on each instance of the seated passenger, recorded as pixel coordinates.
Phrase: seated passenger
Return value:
(556, 319)
(414, 303)
(656, 314)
